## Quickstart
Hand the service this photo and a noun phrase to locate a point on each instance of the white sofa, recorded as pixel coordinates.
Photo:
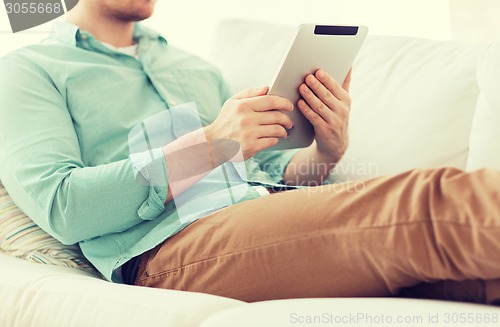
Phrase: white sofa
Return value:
(414, 106)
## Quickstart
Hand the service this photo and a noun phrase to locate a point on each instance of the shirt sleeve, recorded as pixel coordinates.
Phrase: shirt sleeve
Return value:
(42, 168)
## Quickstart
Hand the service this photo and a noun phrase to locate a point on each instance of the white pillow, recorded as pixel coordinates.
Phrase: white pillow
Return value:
(249, 52)
(485, 135)
(413, 104)
(413, 99)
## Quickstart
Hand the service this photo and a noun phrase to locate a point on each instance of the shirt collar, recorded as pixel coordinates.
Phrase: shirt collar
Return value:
(141, 31)
(70, 34)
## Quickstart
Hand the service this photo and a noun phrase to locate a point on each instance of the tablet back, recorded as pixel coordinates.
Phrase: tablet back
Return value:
(330, 48)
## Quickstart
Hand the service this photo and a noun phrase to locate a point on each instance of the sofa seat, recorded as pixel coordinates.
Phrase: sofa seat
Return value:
(43, 295)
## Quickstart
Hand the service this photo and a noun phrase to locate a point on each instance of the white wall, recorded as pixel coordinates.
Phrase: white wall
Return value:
(475, 20)
(190, 23)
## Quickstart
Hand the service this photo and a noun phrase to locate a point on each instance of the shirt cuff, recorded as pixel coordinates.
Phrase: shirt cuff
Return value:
(150, 169)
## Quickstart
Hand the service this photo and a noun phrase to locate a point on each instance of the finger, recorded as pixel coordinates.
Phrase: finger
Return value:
(269, 102)
(331, 84)
(275, 117)
(347, 82)
(310, 114)
(316, 120)
(251, 92)
(322, 92)
(266, 131)
(315, 103)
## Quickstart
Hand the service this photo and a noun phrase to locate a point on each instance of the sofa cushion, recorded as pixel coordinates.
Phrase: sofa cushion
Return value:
(413, 99)
(43, 295)
(413, 103)
(248, 53)
(485, 134)
(22, 238)
(354, 312)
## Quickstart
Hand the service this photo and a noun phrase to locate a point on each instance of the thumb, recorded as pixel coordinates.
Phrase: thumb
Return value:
(251, 92)
(347, 82)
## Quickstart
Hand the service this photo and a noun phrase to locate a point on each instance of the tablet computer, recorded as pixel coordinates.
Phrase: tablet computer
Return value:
(330, 48)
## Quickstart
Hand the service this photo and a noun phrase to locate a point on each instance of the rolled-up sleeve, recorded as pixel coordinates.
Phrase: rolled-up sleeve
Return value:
(150, 168)
(42, 168)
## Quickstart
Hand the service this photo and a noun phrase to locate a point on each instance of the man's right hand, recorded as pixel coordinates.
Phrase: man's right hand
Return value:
(253, 119)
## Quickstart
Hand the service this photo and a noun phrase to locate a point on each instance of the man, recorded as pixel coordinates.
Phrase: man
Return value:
(68, 111)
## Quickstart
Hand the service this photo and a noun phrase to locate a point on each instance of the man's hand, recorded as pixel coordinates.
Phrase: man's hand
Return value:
(253, 119)
(326, 105)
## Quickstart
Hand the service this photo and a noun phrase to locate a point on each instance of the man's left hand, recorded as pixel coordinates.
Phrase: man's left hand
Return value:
(326, 104)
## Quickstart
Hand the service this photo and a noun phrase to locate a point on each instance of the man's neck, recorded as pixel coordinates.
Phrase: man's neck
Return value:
(103, 28)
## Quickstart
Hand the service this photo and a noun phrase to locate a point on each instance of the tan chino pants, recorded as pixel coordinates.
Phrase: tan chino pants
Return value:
(390, 233)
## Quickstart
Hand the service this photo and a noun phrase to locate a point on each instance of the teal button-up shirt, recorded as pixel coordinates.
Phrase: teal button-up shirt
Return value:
(67, 109)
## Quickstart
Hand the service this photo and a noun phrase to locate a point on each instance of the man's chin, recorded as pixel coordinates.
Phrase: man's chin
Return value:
(140, 18)
(140, 10)
(135, 17)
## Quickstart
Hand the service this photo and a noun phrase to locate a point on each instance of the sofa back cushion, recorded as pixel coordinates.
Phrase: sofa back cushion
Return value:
(485, 135)
(413, 99)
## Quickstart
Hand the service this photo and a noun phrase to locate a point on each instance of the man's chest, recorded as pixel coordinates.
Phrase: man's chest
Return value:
(107, 100)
